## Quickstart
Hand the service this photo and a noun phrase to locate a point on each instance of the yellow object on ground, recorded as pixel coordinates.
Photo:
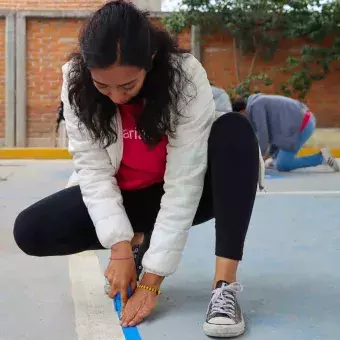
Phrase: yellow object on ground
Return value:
(34, 153)
(310, 151)
(60, 153)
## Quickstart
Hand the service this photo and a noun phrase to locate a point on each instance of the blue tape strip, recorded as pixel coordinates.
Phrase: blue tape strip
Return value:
(271, 175)
(130, 333)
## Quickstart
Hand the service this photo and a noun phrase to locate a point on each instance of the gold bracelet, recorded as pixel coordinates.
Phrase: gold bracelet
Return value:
(151, 289)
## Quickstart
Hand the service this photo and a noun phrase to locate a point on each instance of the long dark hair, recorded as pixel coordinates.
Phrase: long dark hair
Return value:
(120, 31)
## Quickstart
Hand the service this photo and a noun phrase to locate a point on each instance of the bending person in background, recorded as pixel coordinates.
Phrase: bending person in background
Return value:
(221, 99)
(283, 125)
(60, 116)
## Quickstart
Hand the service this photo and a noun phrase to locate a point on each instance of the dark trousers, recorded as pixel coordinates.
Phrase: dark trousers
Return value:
(60, 224)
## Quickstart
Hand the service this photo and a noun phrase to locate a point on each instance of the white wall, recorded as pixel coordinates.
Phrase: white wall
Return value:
(150, 5)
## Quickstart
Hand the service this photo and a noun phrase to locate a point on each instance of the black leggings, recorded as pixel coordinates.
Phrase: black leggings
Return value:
(61, 225)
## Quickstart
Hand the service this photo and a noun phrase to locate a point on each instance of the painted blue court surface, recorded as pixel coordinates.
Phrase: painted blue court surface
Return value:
(290, 275)
(290, 271)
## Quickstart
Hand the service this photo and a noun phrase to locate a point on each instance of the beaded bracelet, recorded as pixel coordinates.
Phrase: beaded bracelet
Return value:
(120, 258)
(151, 289)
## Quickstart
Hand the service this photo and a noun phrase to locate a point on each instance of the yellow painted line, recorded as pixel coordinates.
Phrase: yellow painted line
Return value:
(310, 151)
(60, 153)
(34, 153)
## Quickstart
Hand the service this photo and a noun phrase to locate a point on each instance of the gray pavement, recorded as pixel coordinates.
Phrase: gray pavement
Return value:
(290, 272)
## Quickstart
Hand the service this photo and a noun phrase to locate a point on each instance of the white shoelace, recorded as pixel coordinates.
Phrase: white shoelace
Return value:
(223, 299)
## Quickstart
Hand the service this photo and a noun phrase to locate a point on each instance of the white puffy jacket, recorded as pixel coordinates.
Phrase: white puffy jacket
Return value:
(96, 167)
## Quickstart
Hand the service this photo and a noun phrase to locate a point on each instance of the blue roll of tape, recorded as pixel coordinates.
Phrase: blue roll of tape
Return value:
(130, 333)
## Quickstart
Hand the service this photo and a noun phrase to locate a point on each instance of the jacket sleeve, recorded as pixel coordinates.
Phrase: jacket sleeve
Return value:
(184, 177)
(258, 119)
(98, 185)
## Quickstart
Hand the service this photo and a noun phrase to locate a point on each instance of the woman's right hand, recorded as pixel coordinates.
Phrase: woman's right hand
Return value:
(121, 271)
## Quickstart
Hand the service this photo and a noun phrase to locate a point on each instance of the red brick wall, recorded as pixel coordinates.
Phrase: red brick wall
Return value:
(218, 59)
(184, 39)
(50, 4)
(49, 41)
(2, 79)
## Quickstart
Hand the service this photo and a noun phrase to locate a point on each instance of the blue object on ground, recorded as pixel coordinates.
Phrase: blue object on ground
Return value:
(130, 333)
(289, 274)
(272, 174)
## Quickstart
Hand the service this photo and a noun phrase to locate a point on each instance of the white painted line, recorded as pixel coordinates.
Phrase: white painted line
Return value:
(94, 314)
(302, 193)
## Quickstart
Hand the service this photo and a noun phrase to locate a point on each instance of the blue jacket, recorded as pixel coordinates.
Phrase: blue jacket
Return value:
(276, 120)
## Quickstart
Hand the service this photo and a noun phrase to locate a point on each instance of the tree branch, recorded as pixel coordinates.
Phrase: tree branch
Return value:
(237, 71)
(254, 58)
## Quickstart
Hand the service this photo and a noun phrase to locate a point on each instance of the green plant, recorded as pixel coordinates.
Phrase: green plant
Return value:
(257, 27)
(316, 57)
(249, 85)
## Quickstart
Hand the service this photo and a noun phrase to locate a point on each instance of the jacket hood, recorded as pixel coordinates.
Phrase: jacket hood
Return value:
(221, 99)
(216, 92)
(252, 98)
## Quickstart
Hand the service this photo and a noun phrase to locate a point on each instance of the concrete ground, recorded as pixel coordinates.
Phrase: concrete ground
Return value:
(290, 273)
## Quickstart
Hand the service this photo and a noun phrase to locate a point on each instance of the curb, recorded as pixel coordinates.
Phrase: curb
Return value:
(60, 153)
(34, 153)
(310, 151)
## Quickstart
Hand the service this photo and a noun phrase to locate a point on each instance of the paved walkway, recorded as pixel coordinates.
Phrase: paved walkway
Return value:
(290, 271)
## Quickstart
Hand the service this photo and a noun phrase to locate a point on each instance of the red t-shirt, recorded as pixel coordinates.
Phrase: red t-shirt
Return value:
(140, 166)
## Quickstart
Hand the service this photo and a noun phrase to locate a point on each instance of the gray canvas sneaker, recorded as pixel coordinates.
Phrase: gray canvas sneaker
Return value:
(138, 253)
(224, 316)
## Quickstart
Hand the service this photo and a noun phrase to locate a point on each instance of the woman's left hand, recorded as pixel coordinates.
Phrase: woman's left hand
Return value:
(138, 307)
(142, 302)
